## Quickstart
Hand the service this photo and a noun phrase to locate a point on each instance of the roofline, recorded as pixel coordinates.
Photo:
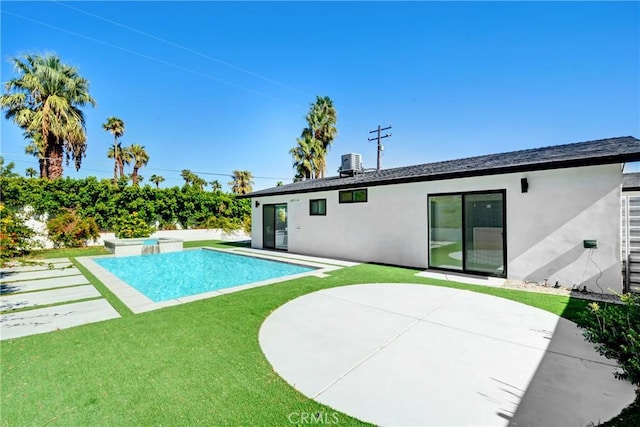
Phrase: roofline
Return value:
(561, 164)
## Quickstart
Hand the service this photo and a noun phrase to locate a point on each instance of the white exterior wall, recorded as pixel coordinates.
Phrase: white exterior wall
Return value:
(545, 226)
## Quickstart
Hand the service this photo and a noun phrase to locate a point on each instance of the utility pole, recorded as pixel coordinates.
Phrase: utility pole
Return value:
(379, 139)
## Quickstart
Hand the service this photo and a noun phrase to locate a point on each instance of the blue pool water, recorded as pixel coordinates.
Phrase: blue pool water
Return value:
(178, 274)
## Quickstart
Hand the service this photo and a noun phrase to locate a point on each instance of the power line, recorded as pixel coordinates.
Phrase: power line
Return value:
(379, 139)
(145, 56)
(179, 46)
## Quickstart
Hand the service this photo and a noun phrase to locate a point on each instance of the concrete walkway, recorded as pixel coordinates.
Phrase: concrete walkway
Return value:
(13, 276)
(396, 354)
(31, 322)
(31, 286)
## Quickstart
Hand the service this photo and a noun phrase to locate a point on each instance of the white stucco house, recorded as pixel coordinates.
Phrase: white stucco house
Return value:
(544, 214)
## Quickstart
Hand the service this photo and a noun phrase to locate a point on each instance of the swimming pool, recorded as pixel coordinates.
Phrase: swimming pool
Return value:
(166, 276)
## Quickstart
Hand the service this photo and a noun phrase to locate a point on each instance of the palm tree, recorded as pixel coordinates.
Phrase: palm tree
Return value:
(123, 156)
(126, 158)
(322, 123)
(31, 172)
(309, 155)
(116, 127)
(138, 178)
(242, 182)
(215, 186)
(187, 175)
(140, 158)
(36, 149)
(6, 171)
(306, 156)
(156, 179)
(46, 99)
(198, 182)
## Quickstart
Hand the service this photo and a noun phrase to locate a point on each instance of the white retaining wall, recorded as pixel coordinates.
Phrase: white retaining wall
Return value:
(38, 223)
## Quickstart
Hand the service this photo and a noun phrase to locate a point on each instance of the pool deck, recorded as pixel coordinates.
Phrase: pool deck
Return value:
(407, 354)
(140, 303)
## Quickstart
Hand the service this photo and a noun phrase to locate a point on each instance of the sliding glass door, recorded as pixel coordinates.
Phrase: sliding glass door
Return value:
(467, 232)
(484, 233)
(274, 227)
(445, 232)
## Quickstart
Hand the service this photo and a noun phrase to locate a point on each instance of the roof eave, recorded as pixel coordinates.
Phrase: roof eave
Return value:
(529, 167)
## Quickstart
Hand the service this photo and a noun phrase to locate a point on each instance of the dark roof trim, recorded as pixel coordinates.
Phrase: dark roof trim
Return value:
(592, 161)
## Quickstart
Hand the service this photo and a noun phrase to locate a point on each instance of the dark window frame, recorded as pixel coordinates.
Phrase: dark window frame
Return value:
(464, 270)
(311, 202)
(352, 199)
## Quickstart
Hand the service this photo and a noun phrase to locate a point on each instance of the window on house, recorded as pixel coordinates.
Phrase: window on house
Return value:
(353, 196)
(318, 207)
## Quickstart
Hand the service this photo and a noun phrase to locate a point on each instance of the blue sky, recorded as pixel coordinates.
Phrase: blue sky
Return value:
(218, 86)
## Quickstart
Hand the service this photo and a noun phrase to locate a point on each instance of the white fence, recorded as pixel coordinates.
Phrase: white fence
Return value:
(630, 237)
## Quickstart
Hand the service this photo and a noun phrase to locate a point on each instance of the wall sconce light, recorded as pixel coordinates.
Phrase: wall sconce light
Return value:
(524, 185)
(257, 204)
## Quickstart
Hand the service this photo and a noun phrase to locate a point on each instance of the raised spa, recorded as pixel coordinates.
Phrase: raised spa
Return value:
(143, 246)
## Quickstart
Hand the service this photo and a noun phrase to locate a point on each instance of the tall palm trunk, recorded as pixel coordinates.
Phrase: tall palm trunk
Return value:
(54, 154)
(134, 176)
(42, 162)
(115, 162)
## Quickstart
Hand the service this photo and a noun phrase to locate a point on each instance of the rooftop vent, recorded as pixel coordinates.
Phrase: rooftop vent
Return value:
(351, 164)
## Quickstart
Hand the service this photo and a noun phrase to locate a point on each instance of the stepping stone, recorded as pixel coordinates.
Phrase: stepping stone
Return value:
(32, 299)
(49, 319)
(55, 260)
(42, 274)
(35, 267)
(38, 285)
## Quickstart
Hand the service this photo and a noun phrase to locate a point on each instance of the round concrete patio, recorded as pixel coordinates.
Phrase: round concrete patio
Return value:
(401, 354)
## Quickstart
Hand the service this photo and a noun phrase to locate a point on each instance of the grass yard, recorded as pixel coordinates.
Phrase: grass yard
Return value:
(196, 363)
(68, 252)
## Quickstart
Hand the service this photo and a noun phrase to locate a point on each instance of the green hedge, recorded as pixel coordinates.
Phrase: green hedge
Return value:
(106, 203)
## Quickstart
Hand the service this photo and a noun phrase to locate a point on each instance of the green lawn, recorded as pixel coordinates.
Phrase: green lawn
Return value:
(197, 363)
(68, 252)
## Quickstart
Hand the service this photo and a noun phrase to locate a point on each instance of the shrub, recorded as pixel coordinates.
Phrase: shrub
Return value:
(14, 234)
(71, 231)
(167, 225)
(223, 223)
(246, 224)
(615, 329)
(132, 225)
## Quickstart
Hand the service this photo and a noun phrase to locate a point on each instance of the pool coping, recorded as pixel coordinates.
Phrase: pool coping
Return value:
(137, 302)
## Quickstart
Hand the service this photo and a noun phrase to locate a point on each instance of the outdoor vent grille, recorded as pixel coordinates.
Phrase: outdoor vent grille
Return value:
(351, 163)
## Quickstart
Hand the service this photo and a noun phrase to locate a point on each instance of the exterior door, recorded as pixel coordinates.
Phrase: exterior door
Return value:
(484, 233)
(274, 227)
(467, 232)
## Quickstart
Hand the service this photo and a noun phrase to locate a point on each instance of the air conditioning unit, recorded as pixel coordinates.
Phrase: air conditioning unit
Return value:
(351, 164)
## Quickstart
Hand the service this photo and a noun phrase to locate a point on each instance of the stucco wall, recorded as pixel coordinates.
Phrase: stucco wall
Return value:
(545, 226)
